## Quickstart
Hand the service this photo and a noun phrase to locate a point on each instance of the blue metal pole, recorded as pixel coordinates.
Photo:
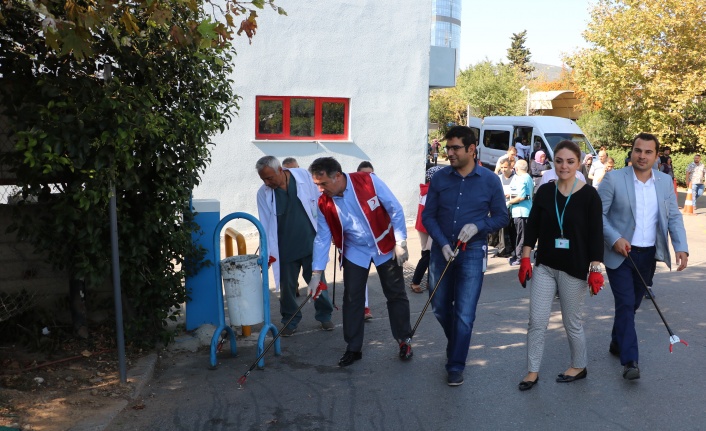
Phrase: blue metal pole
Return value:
(262, 260)
(117, 291)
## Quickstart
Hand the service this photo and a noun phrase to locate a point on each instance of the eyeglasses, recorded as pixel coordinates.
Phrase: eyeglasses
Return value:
(454, 148)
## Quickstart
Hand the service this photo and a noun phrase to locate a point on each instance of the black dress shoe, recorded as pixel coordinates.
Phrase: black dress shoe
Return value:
(563, 378)
(614, 349)
(526, 385)
(349, 357)
(630, 371)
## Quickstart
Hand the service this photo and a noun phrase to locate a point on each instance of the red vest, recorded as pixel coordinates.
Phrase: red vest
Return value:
(423, 189)
(376, 216)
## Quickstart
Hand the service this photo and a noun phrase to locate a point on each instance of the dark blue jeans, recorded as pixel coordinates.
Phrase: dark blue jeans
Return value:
(455, 300)
(628, 291)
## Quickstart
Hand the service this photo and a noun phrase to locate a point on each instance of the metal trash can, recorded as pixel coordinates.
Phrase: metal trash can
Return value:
(243, 289)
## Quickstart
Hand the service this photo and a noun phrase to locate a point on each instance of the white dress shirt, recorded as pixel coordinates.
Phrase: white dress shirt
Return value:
(646, 212)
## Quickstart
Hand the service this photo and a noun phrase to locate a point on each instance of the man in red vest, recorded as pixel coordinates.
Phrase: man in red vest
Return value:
(367, 225)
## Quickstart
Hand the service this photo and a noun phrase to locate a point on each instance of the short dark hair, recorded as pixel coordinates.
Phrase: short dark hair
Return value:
(462, 132)
(568, 145)
(325, 165)
(365, 164)
(518, 140)
(647, 137)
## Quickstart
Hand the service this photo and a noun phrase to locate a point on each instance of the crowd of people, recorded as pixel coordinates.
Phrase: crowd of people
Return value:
(571, 219)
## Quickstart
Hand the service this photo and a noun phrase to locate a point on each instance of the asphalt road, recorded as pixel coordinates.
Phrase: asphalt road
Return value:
(303, 389)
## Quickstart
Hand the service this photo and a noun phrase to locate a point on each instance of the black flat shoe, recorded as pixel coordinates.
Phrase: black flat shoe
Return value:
(526, 385)
(349, 357)
(563, 378)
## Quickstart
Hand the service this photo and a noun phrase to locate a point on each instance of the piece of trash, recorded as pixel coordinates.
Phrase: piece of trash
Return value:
(271, 422)
(86, 353)
(45, 331)
(39, 380)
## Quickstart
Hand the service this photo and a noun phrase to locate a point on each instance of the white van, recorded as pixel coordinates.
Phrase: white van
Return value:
(496, 134)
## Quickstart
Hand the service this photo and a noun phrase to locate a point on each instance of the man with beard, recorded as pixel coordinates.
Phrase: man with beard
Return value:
(465, 202)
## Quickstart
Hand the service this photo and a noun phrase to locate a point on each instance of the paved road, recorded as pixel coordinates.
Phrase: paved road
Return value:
(305, 390)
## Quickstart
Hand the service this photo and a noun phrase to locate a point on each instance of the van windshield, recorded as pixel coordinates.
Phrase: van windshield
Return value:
(579, 139)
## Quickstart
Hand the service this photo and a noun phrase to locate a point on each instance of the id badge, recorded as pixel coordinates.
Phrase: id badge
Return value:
(561, 243)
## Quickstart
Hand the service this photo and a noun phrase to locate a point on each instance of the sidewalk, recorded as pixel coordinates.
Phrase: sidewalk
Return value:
(304, 389)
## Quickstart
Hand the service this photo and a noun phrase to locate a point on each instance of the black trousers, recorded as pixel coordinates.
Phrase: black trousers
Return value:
(520, 228)
(507, 239)
(421, 267)
(392, 280)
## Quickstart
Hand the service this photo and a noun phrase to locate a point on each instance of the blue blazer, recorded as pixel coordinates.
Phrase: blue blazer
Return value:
(617, 192)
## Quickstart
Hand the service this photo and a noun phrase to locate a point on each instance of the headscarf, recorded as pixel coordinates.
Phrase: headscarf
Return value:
(431, 171)
(538, 156)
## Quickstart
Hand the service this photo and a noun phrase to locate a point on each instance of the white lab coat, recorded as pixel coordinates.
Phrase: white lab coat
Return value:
(308, 194)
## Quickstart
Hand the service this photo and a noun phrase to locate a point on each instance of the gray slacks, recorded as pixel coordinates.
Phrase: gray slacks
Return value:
(572, 293)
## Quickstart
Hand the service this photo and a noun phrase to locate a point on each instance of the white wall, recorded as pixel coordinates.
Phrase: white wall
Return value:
(374, 52)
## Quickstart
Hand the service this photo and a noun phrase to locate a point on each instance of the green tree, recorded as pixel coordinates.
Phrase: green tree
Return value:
(446, 106)
(518, 54)
(492, 89)
(645, 65)
(604, 129)
(145, 127)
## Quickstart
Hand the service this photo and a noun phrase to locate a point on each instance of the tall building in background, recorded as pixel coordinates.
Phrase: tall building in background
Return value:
(446, 26)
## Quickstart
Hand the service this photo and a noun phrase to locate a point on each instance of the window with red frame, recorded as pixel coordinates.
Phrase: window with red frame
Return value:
(301, 118)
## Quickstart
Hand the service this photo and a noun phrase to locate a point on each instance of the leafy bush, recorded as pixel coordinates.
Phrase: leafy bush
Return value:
(618, 154)
(679, 164)
(146, 129)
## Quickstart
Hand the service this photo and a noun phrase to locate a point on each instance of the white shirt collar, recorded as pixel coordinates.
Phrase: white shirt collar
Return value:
(650, 181)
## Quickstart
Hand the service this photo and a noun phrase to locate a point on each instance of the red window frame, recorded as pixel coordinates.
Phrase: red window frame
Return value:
(318, 118)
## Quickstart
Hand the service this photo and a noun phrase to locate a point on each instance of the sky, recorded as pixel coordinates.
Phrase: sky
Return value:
(553, 27)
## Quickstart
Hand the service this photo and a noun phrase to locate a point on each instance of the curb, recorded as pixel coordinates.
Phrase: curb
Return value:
(139, 376)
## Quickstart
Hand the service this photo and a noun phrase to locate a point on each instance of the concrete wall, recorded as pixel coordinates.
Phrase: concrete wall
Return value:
(21, 268)
(374, 52)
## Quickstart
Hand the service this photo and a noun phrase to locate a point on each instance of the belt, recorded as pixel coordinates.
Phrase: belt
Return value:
(641, 249)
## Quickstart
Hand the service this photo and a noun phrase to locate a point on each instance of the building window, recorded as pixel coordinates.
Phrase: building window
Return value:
(302, 118)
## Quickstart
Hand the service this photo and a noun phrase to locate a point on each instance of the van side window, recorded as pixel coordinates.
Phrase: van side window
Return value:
(523, 132)
(497, 139)
(539, 144)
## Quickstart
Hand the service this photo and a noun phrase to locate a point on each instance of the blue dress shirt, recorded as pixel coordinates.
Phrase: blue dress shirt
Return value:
(454, 201)
(358, 242)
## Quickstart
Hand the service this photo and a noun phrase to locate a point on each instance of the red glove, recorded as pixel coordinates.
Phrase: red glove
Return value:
(320, 288)
(595, 282)
(525, 271)
(271, 260)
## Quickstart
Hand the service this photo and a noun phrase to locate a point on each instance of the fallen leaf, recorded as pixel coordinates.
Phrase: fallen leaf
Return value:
(86, 353)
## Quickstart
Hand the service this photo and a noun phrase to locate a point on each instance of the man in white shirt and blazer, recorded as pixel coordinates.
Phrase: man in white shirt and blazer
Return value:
(639, 211)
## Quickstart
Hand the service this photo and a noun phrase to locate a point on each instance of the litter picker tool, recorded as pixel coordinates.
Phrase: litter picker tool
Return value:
(673, 339)
(241, 381)
(335, 264)
(431, 295)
